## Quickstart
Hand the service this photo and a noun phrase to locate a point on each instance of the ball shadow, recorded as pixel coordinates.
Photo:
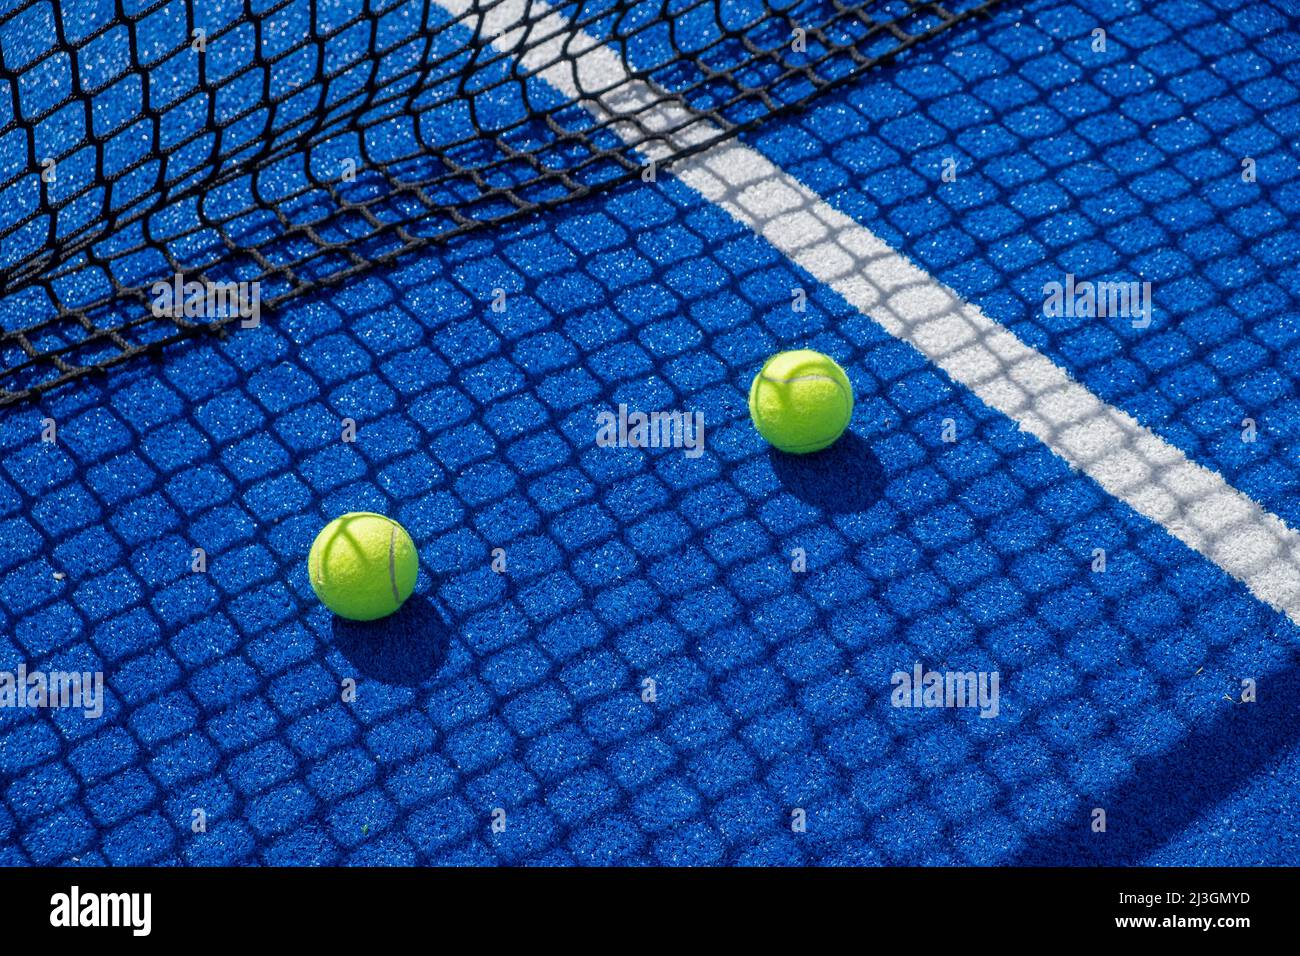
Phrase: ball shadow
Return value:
(406, 648)
(845, 477)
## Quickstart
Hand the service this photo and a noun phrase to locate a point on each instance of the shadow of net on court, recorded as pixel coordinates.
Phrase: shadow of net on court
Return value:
(476, 431)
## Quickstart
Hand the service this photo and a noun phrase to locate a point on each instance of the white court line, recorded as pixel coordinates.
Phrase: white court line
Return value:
(1193, 503)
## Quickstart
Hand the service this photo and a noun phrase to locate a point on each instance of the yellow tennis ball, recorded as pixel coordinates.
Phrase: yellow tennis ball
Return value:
(362, 566)
(801, 401)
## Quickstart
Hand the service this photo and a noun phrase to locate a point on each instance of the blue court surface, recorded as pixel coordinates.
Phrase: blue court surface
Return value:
(770, 737)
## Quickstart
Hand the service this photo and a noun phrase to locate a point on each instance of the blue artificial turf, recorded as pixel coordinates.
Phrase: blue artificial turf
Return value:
(523, 691)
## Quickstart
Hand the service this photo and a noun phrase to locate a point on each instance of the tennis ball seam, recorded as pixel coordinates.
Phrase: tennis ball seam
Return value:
(813, 377)
(817, 377)
(392, 562)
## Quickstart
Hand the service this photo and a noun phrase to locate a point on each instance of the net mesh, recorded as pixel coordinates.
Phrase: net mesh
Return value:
(295, 143)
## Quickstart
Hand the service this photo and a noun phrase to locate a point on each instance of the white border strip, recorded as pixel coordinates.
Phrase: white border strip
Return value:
(1130, 462)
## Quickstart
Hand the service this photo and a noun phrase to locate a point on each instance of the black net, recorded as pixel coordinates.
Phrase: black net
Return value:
(293, 143)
